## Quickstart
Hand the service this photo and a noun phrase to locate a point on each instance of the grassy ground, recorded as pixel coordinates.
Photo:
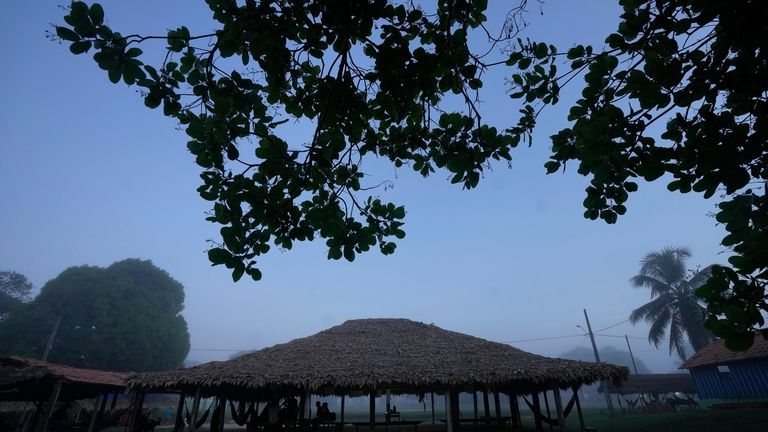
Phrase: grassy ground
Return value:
(702, 420)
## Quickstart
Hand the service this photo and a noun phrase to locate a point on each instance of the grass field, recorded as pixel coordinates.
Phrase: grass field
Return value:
(701, 420)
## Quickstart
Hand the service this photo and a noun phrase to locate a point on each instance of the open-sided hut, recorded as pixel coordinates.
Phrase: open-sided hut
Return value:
(655, 384)
(720, 373)
(48, 384)
(375, 356)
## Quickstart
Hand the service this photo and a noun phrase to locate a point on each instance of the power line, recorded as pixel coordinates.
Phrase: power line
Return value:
(631, 337)
(611, 326)
(544, 338)
(219, 349)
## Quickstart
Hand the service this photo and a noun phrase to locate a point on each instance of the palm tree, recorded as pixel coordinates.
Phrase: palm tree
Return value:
(673, 303)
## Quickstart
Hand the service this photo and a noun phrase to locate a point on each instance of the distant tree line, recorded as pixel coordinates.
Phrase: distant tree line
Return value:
(126, 317)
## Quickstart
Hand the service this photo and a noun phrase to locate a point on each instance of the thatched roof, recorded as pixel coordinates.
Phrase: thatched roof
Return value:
(717, 353)
(23, 378)
(366, 354)
(656, 384)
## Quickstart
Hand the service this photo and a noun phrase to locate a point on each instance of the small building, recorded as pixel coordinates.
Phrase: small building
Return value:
(655, 384)
(720, 373)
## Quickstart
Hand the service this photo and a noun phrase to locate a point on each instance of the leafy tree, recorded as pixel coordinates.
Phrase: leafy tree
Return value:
(15, 289)
(372, 77)
(123, 317)
(674, 303)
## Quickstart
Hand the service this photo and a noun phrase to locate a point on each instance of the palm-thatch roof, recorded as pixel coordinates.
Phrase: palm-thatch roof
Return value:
(366, 354)
(23, 378)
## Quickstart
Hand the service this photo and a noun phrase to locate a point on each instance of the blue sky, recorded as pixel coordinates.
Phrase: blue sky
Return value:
(88, 175)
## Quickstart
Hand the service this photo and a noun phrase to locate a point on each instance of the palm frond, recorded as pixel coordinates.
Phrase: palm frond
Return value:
(677, 336)
(659, 327)
(651, 311)
(692, 318)
(656, 286)
(667, 265)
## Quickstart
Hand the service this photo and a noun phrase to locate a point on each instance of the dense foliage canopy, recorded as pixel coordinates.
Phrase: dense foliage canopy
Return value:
(15, 289)
(125, 317)
(374, 79)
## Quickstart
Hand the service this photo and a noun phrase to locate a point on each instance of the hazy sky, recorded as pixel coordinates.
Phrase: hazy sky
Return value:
(88, 175)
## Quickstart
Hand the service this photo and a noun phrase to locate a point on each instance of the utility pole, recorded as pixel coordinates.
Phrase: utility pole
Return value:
(49, 345)
(597, 359)
(630, 354)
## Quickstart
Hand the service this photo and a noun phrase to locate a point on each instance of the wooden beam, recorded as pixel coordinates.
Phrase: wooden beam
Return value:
(497, 404)
(178, 424)
(474, 407)
(514, 410)
(96, 407)
(559, 409)
(389, 400)
(136, 409)
(546, 404)
(578, 409)
(537, 411)
(195, 409)
(114, 400)
(342, 409)
(432, 396)
(222, 412)
(448, 411)
(102, 407)
(372, 408)
(486, 406)
(53, 399)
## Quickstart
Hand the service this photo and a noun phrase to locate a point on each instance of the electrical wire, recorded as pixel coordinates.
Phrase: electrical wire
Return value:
(612, 326)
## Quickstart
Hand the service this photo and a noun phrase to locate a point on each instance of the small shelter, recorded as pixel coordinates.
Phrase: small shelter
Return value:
(655, 384)
(720, 373)
(47, 384)
(384, 356)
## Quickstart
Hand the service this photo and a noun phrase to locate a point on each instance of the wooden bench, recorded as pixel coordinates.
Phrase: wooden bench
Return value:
(485, 420)
(386, 424)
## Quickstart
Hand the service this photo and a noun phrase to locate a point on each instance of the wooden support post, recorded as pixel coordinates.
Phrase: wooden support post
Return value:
(537, 411)
(53, 399)
(114, 401)
(22, 421)
(514, 411)
(448, 411)
(102, 407)
(222, 411)
(372, 408)
(578, 409)
(455, 408)
(559, 409)
(497, 404)
(546, 404)
(96, 407)
(389, 400)
(178, 424)
(195, 409)
(342, 409)
(486, 407)
(31, 419)
(474, 407)
(432, 396)
(136, 410)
